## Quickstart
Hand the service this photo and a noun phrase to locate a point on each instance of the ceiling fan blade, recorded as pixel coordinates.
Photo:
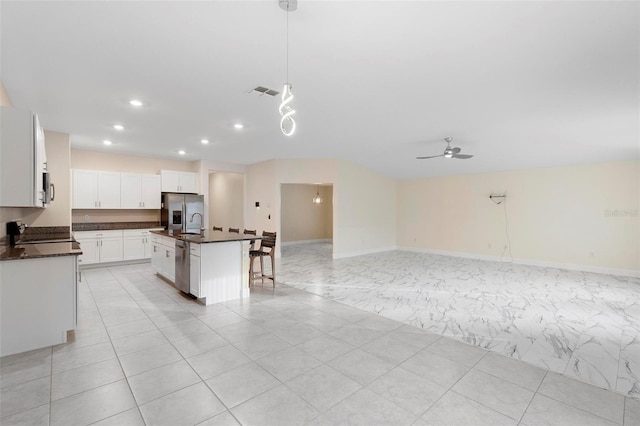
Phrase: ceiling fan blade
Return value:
(462, 156)
(433, 156)
(456, 150)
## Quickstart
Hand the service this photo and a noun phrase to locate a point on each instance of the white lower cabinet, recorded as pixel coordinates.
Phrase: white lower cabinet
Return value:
(163, 256)
(137, 244)
(99, 246)
(194, 271)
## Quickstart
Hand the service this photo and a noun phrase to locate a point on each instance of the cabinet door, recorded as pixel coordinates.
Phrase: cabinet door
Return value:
(90, 251)
(188, 182)
(151, 191)
(130, 191)
(85, 189)
(170, 181)
(156, 257)
(171, 264)
(194, 276)
(133, 247)
(108, 190)
(110, 249)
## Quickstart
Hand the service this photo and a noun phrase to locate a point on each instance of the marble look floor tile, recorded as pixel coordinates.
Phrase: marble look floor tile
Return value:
(455, 409)
(583, 396)
(188, 406)
(223, 419)
(24, 396)
(366, 408)
(278, 406)
(288, 363)
(161, 381)
(325, 347)
(413, 336)
(80, 379)
(241, 384)
(38, 416)
(326, 323)
(92, 405)
(495, 393)
(549, 412)
(436, 368)
(407, 390)
(517, 372)
(217, 361)
(322, 387)
(361, 366)
(131, 417)
(148, 359)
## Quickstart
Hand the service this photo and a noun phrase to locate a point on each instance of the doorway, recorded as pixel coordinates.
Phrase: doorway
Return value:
(306, 214)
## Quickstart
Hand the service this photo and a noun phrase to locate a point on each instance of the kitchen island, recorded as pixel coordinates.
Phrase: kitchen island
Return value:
(218, 263)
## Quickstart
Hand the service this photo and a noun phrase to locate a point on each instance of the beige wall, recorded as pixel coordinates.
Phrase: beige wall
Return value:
(115, 215)
(94, 160)
(364, 211)
(581, 215)
(301, 219)
(261, 186)
(226, 200)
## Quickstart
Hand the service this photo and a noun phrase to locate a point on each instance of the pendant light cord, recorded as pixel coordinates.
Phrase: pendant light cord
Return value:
(287, 42)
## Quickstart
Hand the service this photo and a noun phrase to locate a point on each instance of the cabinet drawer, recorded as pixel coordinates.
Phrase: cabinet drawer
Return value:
(97, 234)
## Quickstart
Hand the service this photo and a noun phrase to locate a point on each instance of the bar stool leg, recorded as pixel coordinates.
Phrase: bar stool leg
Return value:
(262, 269)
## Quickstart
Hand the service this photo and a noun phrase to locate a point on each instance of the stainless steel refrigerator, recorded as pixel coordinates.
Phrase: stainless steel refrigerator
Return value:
(182, 212)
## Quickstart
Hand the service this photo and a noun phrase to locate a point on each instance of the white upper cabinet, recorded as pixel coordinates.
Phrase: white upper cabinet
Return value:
(173, 181)
(139, 191)
(96, 190)
(22, 159)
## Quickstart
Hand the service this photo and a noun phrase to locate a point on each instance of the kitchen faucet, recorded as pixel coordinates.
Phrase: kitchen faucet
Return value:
(193, 215)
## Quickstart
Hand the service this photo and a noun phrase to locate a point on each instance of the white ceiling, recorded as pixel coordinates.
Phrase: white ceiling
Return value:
(517, 84)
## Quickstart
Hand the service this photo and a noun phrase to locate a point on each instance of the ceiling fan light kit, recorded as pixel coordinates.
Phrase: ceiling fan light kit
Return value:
(449, 152)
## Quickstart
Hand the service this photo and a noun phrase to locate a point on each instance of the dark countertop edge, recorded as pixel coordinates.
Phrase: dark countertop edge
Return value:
(113, 226)
(193, 238)
(32, 252)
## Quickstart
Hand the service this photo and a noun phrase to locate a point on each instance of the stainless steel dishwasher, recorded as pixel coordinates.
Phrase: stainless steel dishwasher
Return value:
(182, 266)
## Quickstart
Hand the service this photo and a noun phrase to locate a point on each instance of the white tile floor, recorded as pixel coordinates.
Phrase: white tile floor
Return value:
(144, 354)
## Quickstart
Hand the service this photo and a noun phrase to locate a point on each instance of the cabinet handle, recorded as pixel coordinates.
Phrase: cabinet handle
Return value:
(97, 243)
(143, 204)
(95, 204)
(100, 243)
(166, 253)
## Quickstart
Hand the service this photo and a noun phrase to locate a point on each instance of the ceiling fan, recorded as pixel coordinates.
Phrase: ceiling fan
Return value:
(449, 152)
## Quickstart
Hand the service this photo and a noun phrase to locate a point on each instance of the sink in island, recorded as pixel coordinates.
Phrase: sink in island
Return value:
(216, 267)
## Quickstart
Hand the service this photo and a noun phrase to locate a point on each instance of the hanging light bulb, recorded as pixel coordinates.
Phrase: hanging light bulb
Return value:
(287, 123)
(318, 199)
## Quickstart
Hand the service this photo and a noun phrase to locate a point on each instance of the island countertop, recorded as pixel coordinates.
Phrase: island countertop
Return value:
(208, 236)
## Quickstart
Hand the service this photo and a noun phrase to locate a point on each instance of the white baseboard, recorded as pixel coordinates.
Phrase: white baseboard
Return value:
(363, 252)
(291, 243)
(531, 262)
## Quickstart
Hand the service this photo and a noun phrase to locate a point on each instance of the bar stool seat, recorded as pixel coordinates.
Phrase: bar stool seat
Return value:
(267, 249)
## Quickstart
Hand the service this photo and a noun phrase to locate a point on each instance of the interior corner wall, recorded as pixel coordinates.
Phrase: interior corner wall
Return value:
(580, 217)
(261, 187)
(226, 200)
(364, 211)
(302, 220)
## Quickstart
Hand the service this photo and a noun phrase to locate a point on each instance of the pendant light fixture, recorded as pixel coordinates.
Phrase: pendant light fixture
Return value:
(318, 199)
(287, 123)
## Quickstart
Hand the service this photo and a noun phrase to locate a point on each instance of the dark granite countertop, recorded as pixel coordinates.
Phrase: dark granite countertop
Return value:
(34, 251)
(208, 237)
(113, 226)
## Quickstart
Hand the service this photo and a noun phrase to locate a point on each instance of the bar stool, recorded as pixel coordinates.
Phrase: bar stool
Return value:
(234, 230)
(267, 248)
(217, 228)
(251, 232)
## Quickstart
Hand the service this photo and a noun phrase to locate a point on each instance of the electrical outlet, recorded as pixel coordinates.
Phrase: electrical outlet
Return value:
(490, 245)
(86, 217)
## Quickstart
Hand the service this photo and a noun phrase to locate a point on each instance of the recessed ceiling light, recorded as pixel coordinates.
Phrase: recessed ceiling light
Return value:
(204, 141)
(118, 126)
(135, 102)
(238, 126)
(106, 142)
(181, 152)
